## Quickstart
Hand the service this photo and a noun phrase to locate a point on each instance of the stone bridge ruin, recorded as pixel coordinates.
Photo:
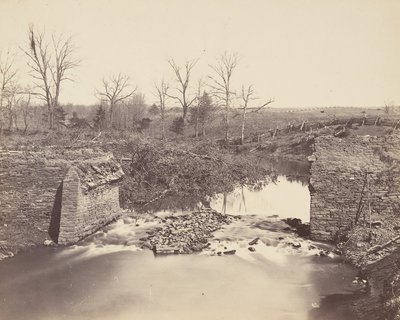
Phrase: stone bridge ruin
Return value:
(351, 177)
(62, 194)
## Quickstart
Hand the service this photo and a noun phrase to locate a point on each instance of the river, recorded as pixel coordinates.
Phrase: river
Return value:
(108, 277)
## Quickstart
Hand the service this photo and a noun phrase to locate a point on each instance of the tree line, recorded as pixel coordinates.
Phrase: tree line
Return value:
(52, 58)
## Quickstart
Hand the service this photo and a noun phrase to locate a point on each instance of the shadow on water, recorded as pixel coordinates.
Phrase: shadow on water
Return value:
(54, 228)
(294, 171)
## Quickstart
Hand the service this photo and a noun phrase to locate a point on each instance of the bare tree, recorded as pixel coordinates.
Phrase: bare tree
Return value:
(200, 85)
(221, 84)
(21, 106)
(203, 110)
(183, 79)
(8, 74)
(247, 95)
(50, 62)
(116, 89)
(162, 93)
(13, 98)
(25, 107)
(206, 111)
(131, 112)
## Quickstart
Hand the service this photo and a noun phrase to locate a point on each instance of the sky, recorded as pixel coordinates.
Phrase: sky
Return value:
(301, 53)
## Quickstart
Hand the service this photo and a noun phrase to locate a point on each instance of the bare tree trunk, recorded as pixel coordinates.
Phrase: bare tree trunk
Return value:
(162, 92)
(227, 106)
(16, 121)
(1, 114)
(51, 118)
(25, 116)
(185, 108)
(183, 79)
(196, 128)
(221, 84)
(111, 115)
(198, 97)
(162, 125)
(7, 77)
(243, 122)
(204, 129)
(125, 117)
(246, 97)
(10, 120)
(227, 123)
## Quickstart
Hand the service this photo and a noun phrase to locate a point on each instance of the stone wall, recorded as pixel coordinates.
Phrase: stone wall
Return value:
(355, 181)
(32, 199)
(342, 172)
(83, 211)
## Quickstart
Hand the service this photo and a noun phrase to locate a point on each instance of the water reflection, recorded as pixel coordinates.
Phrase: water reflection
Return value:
(284, 198)
(294, 171)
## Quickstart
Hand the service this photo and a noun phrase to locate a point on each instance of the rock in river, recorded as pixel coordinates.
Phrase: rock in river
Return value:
(253, 242)
(230, 252)
(185, 233)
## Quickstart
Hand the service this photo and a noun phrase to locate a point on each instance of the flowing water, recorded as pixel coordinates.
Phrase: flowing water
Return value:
(108, 277)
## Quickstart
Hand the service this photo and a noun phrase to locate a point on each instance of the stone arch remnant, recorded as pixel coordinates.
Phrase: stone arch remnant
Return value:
(90, 199)
(71, 208)
(64, 194)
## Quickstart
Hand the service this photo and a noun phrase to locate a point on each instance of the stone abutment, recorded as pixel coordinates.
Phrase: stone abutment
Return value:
(353, 180)
(63, 195)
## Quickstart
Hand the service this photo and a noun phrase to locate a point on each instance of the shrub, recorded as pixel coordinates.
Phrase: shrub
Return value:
(177, 125)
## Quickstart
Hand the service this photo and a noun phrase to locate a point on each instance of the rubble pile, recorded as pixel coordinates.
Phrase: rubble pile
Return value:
(185, 233)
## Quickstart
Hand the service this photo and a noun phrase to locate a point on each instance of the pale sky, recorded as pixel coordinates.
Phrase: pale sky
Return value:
(304, 53)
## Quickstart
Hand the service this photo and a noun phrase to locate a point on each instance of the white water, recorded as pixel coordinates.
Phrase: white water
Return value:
(108, 277)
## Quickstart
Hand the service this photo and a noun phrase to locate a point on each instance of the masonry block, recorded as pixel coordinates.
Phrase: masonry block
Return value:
(339, 183)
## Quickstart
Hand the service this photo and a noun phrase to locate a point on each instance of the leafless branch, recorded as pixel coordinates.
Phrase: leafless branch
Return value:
(183, 76)
(220, 83)
(162, 92)
(50, 62)
(116, 89)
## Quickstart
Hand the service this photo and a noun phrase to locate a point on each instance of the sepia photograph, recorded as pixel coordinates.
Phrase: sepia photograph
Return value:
(192, 160)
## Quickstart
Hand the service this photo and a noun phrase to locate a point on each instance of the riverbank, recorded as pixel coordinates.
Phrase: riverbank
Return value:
(376, 253)
(169, 175)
